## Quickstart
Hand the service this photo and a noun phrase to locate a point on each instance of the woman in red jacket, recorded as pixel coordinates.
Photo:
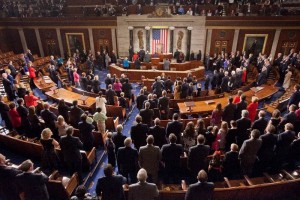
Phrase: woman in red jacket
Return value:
(14, 117)
(252, 107)
(32, 74)
(30, 99)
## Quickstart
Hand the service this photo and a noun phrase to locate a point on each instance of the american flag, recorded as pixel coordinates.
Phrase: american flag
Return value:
(160, 36)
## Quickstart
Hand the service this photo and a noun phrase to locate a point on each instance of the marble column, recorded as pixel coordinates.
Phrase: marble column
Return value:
(60, 45)
(171, 49)
(23, 40)
(147, 38)
(208, 41)
(235, 40)
(188, 42)
(114, 39)
(275, 43)
(39, 41)
(130, 28)
(91, 38)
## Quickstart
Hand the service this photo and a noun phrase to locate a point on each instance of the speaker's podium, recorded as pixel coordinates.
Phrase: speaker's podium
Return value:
(189, 105)
(159, 48)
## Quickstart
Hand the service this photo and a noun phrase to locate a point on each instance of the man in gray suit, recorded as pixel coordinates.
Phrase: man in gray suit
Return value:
(202, 190)
(149, 158)
(248, 152)
(142, 189)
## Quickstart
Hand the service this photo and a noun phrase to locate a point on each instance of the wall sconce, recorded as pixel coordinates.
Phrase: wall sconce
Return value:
(189, 28)
(147, 28)
(171, 28)
(130, 27)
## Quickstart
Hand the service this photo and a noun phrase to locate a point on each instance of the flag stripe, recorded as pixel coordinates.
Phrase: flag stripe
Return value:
(160, 36)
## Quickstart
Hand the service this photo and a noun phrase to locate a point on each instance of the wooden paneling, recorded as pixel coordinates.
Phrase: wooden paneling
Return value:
(102, 39)
(85, 33)
(291, 36)
(31, 41)
(269, 43)
(13, 40)
(222, 36)
(49, 42)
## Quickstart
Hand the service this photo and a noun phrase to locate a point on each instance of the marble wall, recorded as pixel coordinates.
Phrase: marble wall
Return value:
(181, 23)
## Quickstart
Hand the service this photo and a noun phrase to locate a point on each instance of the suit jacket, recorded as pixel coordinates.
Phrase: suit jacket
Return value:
(249, 149)
(171, 156)
(262, 78)
(203, 191)
(111, 188)
(70, 147)
(295, 149)
(224, 84)
(197, 158)
(231, 164)
(109, 95)
(149, 158)
(159, 134)
(295, 98)
(242, 105)
(33, 185)
(283, 142)
(86, 135)
(168, 85)
(228, 113)
(260, 125)
(243, 125)
(175, 127)
(49, 118)
(126, 88)
(138, 134)
(118, 139)
(163, 103)
(75, 114)
(140, 101)
(184, 90)
(266, 151)
(157, 88)
(8, 183)
(127, 159)
(147, 116)
(145, 191)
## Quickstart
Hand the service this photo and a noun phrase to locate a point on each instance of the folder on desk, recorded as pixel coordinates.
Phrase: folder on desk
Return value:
(210, 102)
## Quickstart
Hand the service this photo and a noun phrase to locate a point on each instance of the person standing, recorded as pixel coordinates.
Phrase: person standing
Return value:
(142, 189)
(70, 147)
(76, 78)
(100, 102)
(100, 118)
(202, 190)
(4, 108)
(163, 105)
(86, 133)
(110, 187)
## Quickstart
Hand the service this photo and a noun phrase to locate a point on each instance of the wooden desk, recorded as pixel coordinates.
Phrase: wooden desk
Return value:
(178, 66)
(42, 85)
(135, 75)
(69, 97)
(203, 107)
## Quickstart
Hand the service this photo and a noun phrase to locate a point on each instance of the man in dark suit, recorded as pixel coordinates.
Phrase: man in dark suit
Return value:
(4, 113)
(8, 87)
(229, 111)
(261, 123)
(202, 190)
(158, 86)
(142, 54)
(127, 159)
(262, 78)
(110, 187)
(295, 149)
(147, 114)
(138, 133)
(295, 98)
(169, 85)
(159, 133)
(175, 127)
(140, 99)
(8, 182)
(126, 88)
(108, 81)
(231, 163)
(242, 105)
(171, 158)
(184, 89)
(224, 83)
(214, 80)
(75, 114)
(86, 133)
(49, 117)
(163, 105)
(70, 147)
(248, 152)
(284, 140)
(290, 117)
(32, 184)
(118, 138)
(23, 112)
(29, 55)
(197, 157)
(109, 95)
(243, 126)
(266, 151)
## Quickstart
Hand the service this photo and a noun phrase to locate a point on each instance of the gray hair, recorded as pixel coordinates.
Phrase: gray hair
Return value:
(142, 175)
